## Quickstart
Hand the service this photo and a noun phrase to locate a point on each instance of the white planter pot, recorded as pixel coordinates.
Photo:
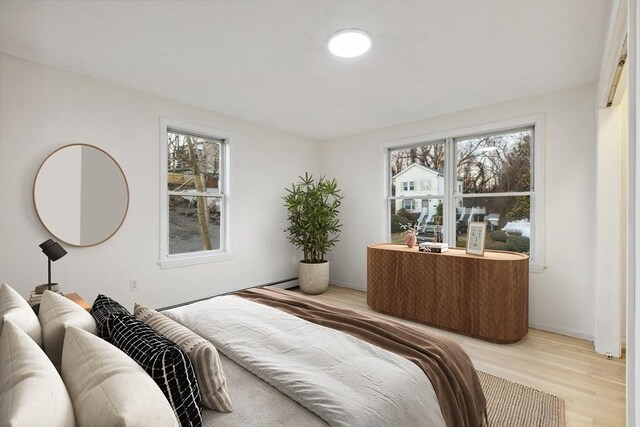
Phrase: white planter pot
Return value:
(313, 278)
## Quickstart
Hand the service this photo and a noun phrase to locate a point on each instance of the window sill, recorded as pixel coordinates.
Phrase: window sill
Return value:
(185, 261)
(536, 268)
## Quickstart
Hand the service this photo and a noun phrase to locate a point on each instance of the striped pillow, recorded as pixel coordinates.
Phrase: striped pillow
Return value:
(203, 355)
(166, 363)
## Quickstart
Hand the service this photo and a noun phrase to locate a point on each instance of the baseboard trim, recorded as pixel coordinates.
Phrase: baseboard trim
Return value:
(284, 284)
(291, 283)
(562, 331)
(348, 285)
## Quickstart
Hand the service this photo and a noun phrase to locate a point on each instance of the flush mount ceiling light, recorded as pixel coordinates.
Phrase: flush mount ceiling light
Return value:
(349, 43)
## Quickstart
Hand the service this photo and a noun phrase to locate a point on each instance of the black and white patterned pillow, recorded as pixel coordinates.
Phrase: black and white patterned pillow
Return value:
(164, 361)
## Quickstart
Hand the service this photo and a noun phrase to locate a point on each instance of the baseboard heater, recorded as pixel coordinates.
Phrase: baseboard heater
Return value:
(284, 284)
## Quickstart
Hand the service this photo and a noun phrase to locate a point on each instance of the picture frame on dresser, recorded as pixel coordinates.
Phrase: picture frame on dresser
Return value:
(475, 238)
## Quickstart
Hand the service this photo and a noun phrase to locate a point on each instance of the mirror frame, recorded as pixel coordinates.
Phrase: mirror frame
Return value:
(126, 184)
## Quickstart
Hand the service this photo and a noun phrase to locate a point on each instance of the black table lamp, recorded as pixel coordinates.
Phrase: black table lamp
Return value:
(54, 252)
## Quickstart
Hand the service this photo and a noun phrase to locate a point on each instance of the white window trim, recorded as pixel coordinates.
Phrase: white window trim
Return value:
(537, 261)
(412, 204)
(192, 258)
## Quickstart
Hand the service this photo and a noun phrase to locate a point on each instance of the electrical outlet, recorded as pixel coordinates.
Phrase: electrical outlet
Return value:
(133, 285)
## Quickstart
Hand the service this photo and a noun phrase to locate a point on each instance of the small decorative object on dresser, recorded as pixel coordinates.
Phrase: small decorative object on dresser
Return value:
(314, 227)
(434, 247)
(475, 238)
(411, 237)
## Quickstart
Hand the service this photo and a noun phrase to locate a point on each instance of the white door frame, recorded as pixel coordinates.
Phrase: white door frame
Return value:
(633, 248)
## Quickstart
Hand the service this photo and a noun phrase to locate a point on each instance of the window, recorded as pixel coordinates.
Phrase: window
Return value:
(194, 197)
(487, 177)
(408, 186)
(409, 204)
(424, 163)
(425, 185)
(495, 171)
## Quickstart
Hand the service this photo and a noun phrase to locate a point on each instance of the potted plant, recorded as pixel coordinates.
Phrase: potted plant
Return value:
(314, 227)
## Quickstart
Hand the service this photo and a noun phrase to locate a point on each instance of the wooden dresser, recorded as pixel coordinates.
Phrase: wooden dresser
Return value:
(484, 297)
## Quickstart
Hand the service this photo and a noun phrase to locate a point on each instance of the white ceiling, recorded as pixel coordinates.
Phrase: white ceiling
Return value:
(267, 62)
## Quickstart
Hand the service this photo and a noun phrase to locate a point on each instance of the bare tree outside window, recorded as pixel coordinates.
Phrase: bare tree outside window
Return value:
(431, 156)
(195, 197)
(496, 165)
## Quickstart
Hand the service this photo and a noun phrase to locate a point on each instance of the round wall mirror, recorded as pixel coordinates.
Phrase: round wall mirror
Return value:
(81, 195)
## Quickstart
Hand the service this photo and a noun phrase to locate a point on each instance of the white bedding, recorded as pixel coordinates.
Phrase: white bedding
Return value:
(345, 381)
(257, 404)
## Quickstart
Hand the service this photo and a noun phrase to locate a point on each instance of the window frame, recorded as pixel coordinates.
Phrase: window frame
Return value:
(536, 215)
(408, 186)
(167, 260)
(452, 173)
(412, 204)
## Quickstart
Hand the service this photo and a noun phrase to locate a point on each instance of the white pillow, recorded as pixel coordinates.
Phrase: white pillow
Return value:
(108, 388)
(15, 308)
(31, 390)
(56, 313)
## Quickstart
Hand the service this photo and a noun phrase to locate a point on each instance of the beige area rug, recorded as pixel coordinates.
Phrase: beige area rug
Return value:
(514, 405)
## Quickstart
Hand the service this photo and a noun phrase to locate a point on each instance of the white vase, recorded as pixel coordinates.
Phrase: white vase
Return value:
(313, 278)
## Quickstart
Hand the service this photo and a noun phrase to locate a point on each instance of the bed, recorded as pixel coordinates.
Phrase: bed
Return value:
(342, 367)
(282, 359)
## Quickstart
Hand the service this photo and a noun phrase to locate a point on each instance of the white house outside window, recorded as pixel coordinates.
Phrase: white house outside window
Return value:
(486, 177)
(194, 197)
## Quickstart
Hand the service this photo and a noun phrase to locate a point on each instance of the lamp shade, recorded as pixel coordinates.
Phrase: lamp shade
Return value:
(52, 250)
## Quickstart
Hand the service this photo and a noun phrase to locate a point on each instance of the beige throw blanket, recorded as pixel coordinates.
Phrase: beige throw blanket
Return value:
(445, 363)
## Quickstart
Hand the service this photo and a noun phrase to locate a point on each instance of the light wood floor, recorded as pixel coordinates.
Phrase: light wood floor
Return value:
(591, 386)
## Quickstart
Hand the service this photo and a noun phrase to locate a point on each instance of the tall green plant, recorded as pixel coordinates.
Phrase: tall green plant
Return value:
(312, 210)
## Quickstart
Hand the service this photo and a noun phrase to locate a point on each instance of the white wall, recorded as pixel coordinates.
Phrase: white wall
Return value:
(562, 297)
(43, 108)
(609, 236)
